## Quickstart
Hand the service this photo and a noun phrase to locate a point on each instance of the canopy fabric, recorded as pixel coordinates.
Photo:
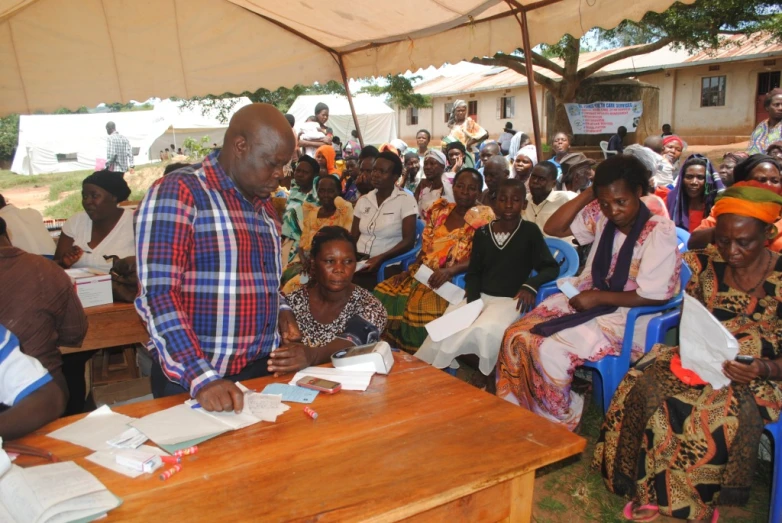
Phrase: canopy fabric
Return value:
(55, 143)
(69, 53)
(376, 119)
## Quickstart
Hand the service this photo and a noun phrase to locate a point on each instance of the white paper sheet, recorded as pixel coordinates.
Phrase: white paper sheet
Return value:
(454, 321)
(265, 407)
(448, 291)
(350, 379)
(130, 439)
(178, 424)
(95, 430)
(704, 343)
(568, 289)
(360, 265)
(108, 459)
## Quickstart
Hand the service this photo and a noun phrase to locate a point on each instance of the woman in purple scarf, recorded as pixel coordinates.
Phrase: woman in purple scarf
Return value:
(634, 262)
(692, 198)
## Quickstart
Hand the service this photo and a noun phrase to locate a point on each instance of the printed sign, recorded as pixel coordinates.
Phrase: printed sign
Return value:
(604, 117)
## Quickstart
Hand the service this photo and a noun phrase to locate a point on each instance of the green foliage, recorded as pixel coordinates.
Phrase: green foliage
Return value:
(221, 105)
(197, 149)
(9, 180)
(80, 110)
(9, 136)
(399, 91)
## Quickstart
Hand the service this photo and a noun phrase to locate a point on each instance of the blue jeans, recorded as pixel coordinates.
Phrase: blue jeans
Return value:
(162, 386)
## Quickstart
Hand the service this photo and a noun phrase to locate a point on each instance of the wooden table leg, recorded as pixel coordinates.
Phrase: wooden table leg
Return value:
(521, 489)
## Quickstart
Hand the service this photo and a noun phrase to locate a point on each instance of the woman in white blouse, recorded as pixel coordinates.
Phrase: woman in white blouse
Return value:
(383, 220)
(102, 230)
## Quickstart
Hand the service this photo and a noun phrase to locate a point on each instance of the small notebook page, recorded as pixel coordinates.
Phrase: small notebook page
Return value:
(455, 321)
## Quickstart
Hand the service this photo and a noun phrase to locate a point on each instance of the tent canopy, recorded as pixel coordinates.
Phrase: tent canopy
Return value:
(69, 53)
(376, 119)
(73, 142)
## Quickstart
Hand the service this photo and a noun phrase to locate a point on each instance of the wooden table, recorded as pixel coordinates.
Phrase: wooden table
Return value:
(418, 445)
(111, 325)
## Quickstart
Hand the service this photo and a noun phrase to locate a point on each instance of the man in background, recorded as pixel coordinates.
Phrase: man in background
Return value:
(506, 137)
(119, 153)
(615, 143)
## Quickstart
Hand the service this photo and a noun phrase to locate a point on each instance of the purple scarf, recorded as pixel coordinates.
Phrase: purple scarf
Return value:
(601, 264)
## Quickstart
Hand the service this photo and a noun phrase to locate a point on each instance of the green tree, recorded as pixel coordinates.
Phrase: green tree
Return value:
(9, 136)
(694, 27)
(399, 91)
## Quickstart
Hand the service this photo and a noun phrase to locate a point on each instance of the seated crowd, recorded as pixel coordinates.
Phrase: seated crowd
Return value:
(217, 261)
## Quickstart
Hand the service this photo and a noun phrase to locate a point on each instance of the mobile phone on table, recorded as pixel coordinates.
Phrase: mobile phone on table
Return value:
(746, 360)
(321, 385)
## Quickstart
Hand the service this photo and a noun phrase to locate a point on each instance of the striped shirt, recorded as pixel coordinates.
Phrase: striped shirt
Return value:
(119, 153)
(209, 268)
(20, 374)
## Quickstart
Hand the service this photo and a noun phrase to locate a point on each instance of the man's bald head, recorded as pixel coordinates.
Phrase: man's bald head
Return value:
(258, 143)
(655, 143)
(495, 169)
(489, 150)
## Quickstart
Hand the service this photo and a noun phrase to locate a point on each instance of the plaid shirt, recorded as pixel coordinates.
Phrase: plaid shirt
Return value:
(209, 268)
(119, 153)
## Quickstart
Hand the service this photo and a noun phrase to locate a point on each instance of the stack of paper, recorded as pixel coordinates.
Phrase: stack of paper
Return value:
(350, 379)
(447, 290)
(56, 492)
(96, 429)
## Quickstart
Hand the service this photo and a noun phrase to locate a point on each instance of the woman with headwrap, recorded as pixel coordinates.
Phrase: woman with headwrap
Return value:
(302, 191)
(729, 162)
(447, 243)
(464, 128)
(523, 162)
(769, 130)
(673, 146)
(326, 157)
(672, 442)
(435, 184)
(103, 229)
(691, 199)
(458, 157)
(518, 141)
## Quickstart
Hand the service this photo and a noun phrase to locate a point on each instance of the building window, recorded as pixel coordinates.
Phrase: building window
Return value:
(713, 91)
(412, 116)
(448, 108)
(506, 107)
(69, 157)
(472, 109)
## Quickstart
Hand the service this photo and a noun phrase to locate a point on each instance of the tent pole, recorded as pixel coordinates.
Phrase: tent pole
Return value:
(533, 99)
(350, 99)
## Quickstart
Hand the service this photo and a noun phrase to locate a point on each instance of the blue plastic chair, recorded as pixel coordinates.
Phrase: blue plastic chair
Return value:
(565, 255)
(656, 332)
(406, 258)
(683, 237)
(612, 369)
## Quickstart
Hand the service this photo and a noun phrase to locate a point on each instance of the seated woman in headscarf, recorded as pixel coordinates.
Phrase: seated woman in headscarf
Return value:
(673, 443)
(302, 191)
(464, 128)
(447, 242)
(759, 168)
(326, 157)
(435, 184)
(410, 179)
(673, 146)
(458, 158)
(633, 262)
(103, 230)
(523, 162)
(692, 197)
(769, 130)
(729, 162)
(332, 211)
(518, 141)
(331, 312)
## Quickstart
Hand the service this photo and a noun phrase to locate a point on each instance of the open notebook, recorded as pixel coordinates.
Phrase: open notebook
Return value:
(54, 493)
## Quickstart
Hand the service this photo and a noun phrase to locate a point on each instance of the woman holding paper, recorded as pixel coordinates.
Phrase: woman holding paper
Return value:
(633, 262)
(447, 242)
(670, 441)
(332, 313)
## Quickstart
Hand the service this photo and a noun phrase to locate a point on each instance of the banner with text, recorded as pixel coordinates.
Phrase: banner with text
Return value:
(604, 117)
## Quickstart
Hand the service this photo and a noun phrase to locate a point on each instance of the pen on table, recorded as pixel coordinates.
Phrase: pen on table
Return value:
(195, 406)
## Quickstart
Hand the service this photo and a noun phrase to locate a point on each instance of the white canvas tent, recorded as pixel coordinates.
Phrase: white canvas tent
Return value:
(376, 119)
(74, 142)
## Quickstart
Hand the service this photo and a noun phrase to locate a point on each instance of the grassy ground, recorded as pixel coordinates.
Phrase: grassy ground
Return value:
(571, 491)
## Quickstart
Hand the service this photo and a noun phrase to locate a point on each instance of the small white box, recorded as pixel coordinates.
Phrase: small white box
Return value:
(92, 286)
(139, 460)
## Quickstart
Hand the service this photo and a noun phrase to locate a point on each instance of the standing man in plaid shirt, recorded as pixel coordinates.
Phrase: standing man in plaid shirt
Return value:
(208, 254)
(119, 153)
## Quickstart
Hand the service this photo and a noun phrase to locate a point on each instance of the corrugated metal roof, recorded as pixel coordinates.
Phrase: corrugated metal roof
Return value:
(738, 47)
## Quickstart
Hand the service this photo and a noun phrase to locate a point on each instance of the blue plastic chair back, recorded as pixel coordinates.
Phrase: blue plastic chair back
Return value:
(407, 258)
(682, 238)
(612, 369)
(562, 251)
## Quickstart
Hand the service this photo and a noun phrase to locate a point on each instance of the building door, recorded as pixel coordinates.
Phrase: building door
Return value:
(766, 82)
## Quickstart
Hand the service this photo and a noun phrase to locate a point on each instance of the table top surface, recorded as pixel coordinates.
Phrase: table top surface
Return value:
(414, 440)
